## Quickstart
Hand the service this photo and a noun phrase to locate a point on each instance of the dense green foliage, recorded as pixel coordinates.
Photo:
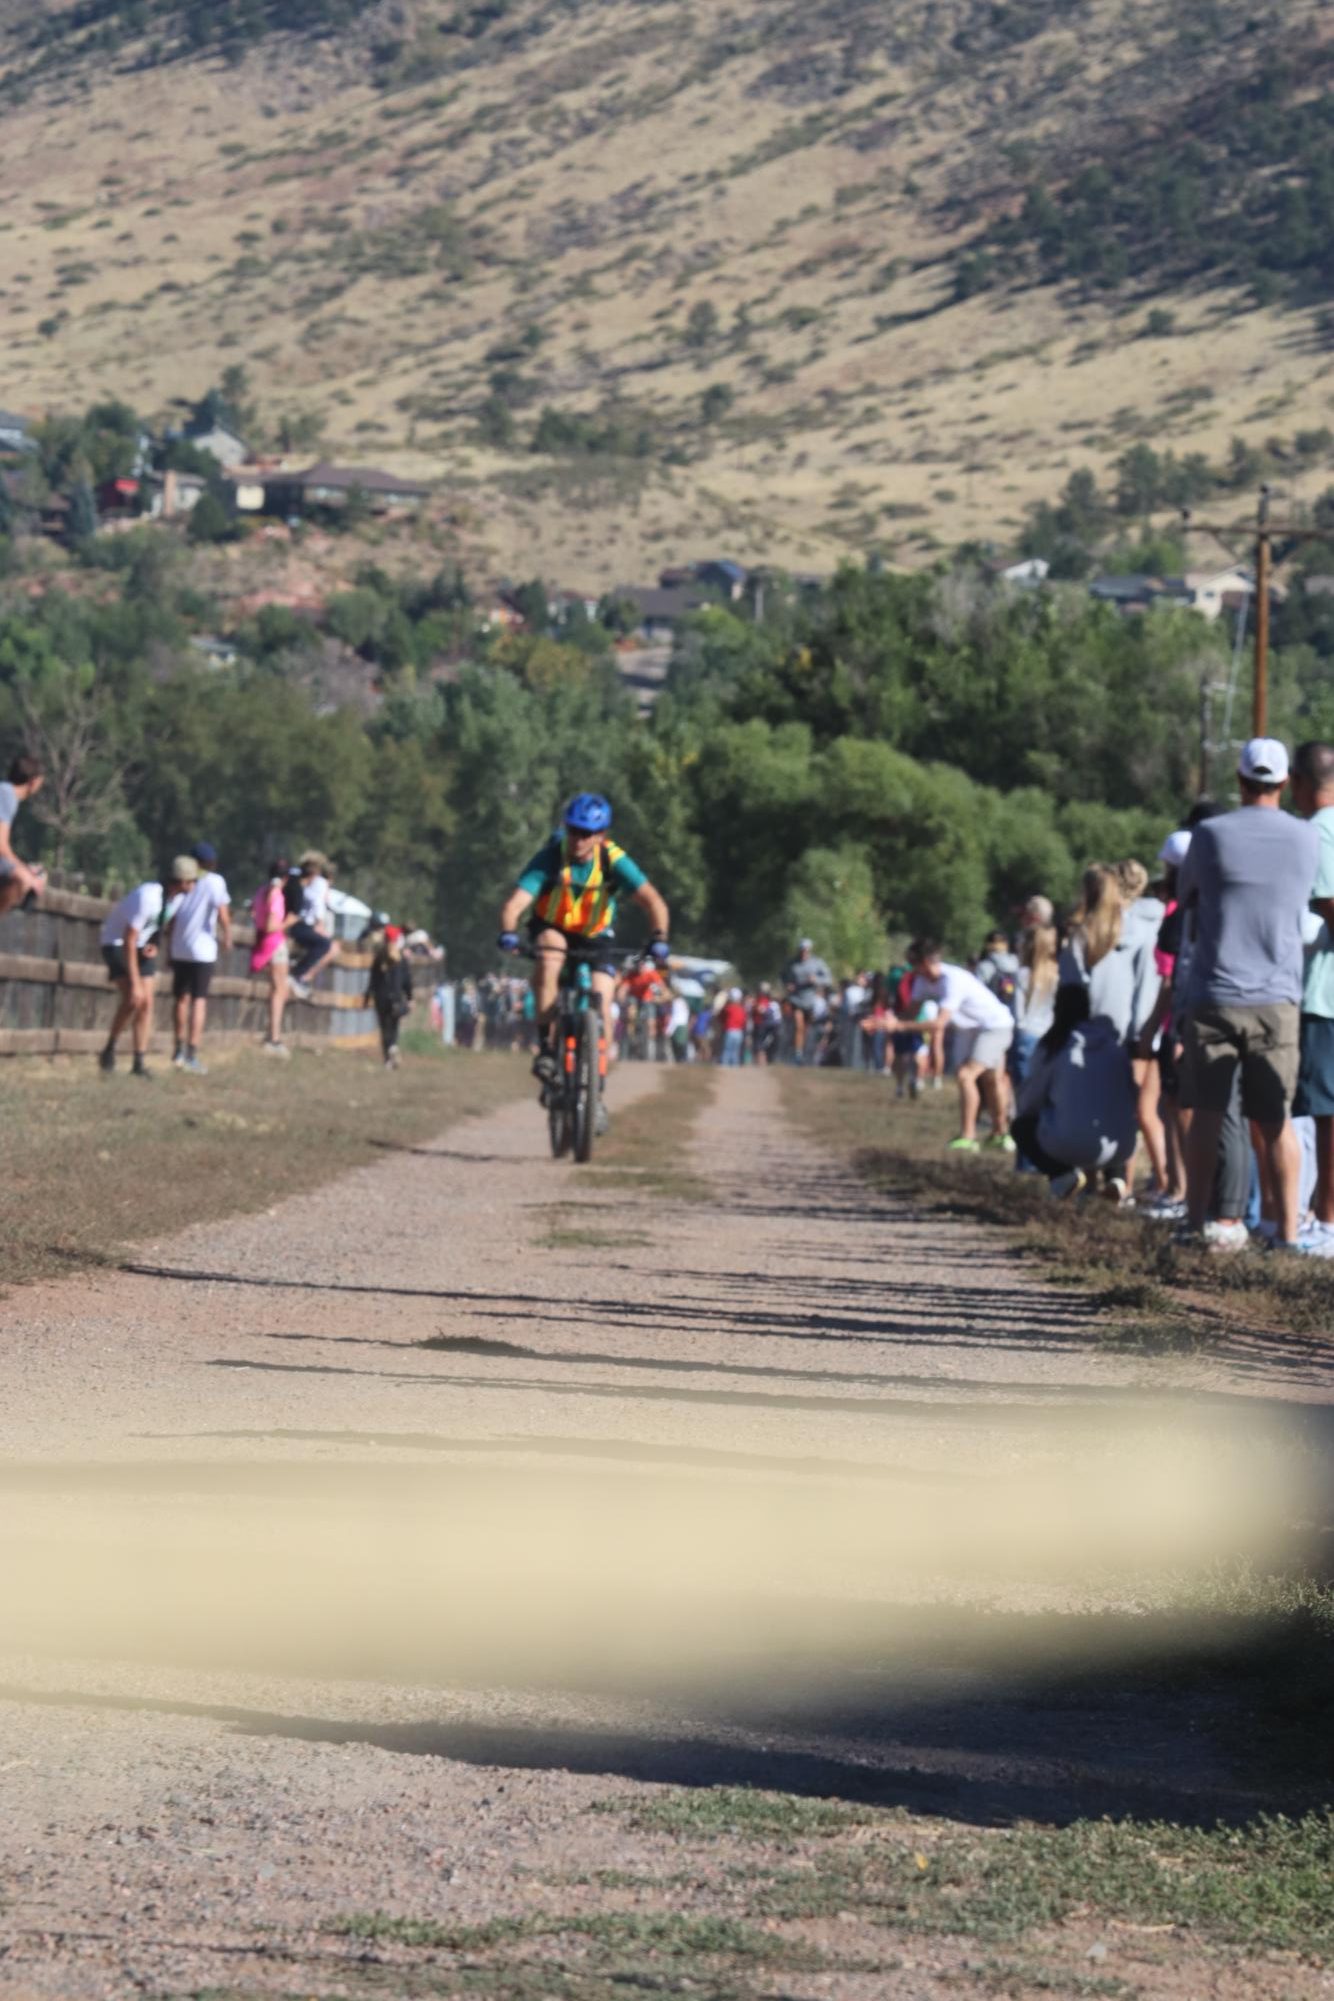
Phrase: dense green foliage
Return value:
(1247, 198)
(913, 752)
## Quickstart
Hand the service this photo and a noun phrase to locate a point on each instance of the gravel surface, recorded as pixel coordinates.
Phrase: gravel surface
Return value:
(335, 1621)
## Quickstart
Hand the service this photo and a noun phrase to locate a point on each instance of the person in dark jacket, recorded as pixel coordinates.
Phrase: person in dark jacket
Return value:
(389, 990)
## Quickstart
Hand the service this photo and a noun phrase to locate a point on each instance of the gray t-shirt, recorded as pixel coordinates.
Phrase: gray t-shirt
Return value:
(1252, 872)
(806, 976)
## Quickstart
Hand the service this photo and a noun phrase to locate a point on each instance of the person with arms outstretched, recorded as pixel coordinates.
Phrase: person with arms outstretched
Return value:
(571, 887)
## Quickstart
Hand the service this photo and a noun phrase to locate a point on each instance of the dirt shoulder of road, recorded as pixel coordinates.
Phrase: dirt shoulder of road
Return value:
(92, 1164)
(1156, 1297)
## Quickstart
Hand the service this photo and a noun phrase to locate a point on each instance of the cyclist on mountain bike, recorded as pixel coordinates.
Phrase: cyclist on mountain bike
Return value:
(570, 886)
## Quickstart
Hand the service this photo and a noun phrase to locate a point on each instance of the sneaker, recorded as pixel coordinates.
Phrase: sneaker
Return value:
(1164, 1210)
(178, 1060)
(139, 1068)
(1317, 1240)
(899, 1091)
(107, 1059)
(601, 1119)
(937, 1083)
(914, 1087)
(1115, 1189)
(1000, 1143)
(1073, 1182)
(962, 1145)
(194, 1066)
(275, 1049)
(545, 1067)
(1226, 1237)
(301, 988)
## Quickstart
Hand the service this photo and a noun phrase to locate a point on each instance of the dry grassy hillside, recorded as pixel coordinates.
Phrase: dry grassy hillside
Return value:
(433, 222)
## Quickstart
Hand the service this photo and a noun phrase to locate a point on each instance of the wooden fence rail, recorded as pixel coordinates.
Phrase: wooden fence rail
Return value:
(56, 998)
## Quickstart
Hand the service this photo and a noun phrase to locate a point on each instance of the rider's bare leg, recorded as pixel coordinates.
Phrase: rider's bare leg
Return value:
(550, 947)
(604, 988)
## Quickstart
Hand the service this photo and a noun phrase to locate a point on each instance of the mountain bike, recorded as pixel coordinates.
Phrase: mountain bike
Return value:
(581, 1050)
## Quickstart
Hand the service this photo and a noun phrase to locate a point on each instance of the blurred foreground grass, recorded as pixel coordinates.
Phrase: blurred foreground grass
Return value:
(90, 1164)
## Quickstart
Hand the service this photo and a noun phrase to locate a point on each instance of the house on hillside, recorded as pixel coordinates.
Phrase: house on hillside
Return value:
(220, 443)
(326, 485)
(169, 495)
(117, 499)
(1028, 574)
(1214, 592)
(15, 433)
(720, 574)
(662, 610)
(1136, 594)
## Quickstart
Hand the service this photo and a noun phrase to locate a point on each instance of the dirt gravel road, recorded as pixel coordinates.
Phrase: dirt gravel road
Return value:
(387, 1553)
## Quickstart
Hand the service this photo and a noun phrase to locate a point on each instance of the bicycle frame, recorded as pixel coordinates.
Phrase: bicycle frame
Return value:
(582, 1047)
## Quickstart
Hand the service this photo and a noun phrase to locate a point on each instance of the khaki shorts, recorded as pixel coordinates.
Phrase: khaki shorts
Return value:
(1264, 1042)
(987, 1046)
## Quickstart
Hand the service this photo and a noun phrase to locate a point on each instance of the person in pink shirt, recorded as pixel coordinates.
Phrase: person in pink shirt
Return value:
(272, 954)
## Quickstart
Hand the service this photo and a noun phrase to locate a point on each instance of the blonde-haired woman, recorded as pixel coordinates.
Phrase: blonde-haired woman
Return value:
(1143, 921)
(1114, 959)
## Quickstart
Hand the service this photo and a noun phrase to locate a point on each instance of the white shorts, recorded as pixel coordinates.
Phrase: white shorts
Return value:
(987, 1046)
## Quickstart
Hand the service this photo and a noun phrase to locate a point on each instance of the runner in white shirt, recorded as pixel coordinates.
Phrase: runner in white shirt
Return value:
(129, 948)
(199, 922)
(983, 1031)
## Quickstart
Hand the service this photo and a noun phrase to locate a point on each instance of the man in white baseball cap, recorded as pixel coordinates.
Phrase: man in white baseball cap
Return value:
(1175, 848)
(1249, 875)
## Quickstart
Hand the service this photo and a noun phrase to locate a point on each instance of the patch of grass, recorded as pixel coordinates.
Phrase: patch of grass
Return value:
(1258, 1887)
(707, 1812)
(624, 1944)
(648, 1140)
(1261, 1887)
(93, 1164)
(575, 1239)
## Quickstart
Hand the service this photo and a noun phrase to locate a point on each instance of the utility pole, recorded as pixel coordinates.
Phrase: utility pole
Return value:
(1260, 683)
(1265, 535)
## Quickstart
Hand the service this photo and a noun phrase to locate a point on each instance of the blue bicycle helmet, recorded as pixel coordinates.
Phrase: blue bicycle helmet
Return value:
(588, 813)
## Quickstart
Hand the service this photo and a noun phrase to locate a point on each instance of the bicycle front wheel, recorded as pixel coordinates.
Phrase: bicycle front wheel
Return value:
(586, 1082)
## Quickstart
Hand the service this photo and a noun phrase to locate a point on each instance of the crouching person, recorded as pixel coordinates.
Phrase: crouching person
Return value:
(1076, 1115)
(129, 950)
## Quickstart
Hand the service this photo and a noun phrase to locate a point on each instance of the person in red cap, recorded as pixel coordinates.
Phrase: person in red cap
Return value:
(389, 990)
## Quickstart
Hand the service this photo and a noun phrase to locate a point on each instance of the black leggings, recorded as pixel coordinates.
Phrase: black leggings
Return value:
(389, 1024)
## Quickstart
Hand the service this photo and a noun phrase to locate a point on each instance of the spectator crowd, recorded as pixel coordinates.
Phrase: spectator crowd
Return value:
(183, 924)
(1168, 1041)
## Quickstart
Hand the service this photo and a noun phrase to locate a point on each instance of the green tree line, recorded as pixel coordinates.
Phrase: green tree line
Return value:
(918, 752)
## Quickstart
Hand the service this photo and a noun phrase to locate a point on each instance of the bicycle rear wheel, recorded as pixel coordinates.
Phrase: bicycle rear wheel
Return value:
(586, 1083)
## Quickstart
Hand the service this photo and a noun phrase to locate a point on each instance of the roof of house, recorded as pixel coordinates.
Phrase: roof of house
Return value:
(661, 606)
(735, 571)
(369, 479)
(1130, 589)
(11, 421)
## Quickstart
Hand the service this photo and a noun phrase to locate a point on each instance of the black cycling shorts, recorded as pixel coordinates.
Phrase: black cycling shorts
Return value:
(536, 925)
